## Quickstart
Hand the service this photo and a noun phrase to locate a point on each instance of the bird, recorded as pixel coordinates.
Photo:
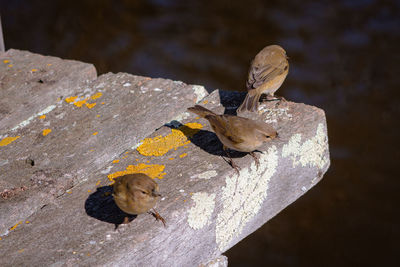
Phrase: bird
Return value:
(237, 133)
(136, 194)
(267, 72)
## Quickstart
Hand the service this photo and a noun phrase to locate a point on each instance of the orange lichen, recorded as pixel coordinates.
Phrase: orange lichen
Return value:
(42, 117)
(8, 140)
(115, 161)
(183, 155)
(160, 145)
(102, 103)
(152, 170)
(96, 95)
(46, 132)
(70, 99)
(95, 133)
(205, 102)
(15, 226)
(171, 158)
(34, 70)
(80, 103)
(90, 105)
(98, 182)
(10, 65)
(5, 61)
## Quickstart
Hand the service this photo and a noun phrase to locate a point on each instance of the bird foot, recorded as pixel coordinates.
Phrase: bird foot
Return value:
(269, 98)
(157, 216)
(255, 159)
(235, 166)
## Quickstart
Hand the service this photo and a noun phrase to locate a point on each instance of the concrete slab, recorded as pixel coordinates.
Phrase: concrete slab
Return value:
(30, 83)
(208, 207)
(89, 126)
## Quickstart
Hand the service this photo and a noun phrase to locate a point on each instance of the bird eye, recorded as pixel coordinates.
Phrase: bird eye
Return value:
(143, 192)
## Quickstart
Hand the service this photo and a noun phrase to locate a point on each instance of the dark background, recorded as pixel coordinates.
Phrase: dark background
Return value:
(343, 57)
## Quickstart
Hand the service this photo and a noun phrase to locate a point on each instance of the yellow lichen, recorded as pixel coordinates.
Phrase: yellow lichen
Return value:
(80, 103)
(42, 117)
(160, 145)
(115, 161)
(70, 99)
(15, 226)
(6, 61)
(152, 170)
(96, 95)
(183, 155)
(90, 105)
(34, 70)
(8, 140)
(95, 133)
(46, 132)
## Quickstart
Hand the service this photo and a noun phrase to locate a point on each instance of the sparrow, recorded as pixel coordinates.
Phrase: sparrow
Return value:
(135, 194)
(267, 72)
(236, 132)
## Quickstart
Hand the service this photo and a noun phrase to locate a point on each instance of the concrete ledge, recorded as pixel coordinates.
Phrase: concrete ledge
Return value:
(31, 83)
(207, 205)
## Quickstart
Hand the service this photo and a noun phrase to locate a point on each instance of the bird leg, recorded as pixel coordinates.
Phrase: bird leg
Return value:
(231, 162)
(272, 97)
(126, 220)
(157, 216)
(253, 154)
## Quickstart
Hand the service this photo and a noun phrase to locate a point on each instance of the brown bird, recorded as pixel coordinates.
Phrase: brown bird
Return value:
(236, 132)
(136, 193)
(267, 72)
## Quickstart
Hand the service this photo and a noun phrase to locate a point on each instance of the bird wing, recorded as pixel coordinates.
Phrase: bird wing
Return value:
(226, 129)
(264, 73)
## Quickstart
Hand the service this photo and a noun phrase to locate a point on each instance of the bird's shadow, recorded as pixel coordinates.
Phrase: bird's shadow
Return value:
(101, 206)
(206, 140)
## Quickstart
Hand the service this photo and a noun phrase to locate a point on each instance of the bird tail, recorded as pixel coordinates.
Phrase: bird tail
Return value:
(250, 103)
(201, 111)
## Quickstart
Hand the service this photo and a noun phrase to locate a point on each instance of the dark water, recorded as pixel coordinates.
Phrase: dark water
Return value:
(343, 57)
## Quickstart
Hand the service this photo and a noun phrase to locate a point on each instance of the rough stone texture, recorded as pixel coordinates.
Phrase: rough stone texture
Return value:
(207, 205)
(29, 83)
(221, 261)
(89, 126)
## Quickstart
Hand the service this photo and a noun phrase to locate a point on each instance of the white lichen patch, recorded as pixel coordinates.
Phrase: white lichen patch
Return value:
(272, 115)
(311, 152)
(200, 214)
(206, 175)
(27, 121)
(181, 117)
(127, 84)
(200, 92)
(242, 197)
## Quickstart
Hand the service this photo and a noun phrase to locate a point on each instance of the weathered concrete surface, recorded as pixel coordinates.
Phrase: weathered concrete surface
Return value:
(30, 83)
(207, 205)
(89, 126)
